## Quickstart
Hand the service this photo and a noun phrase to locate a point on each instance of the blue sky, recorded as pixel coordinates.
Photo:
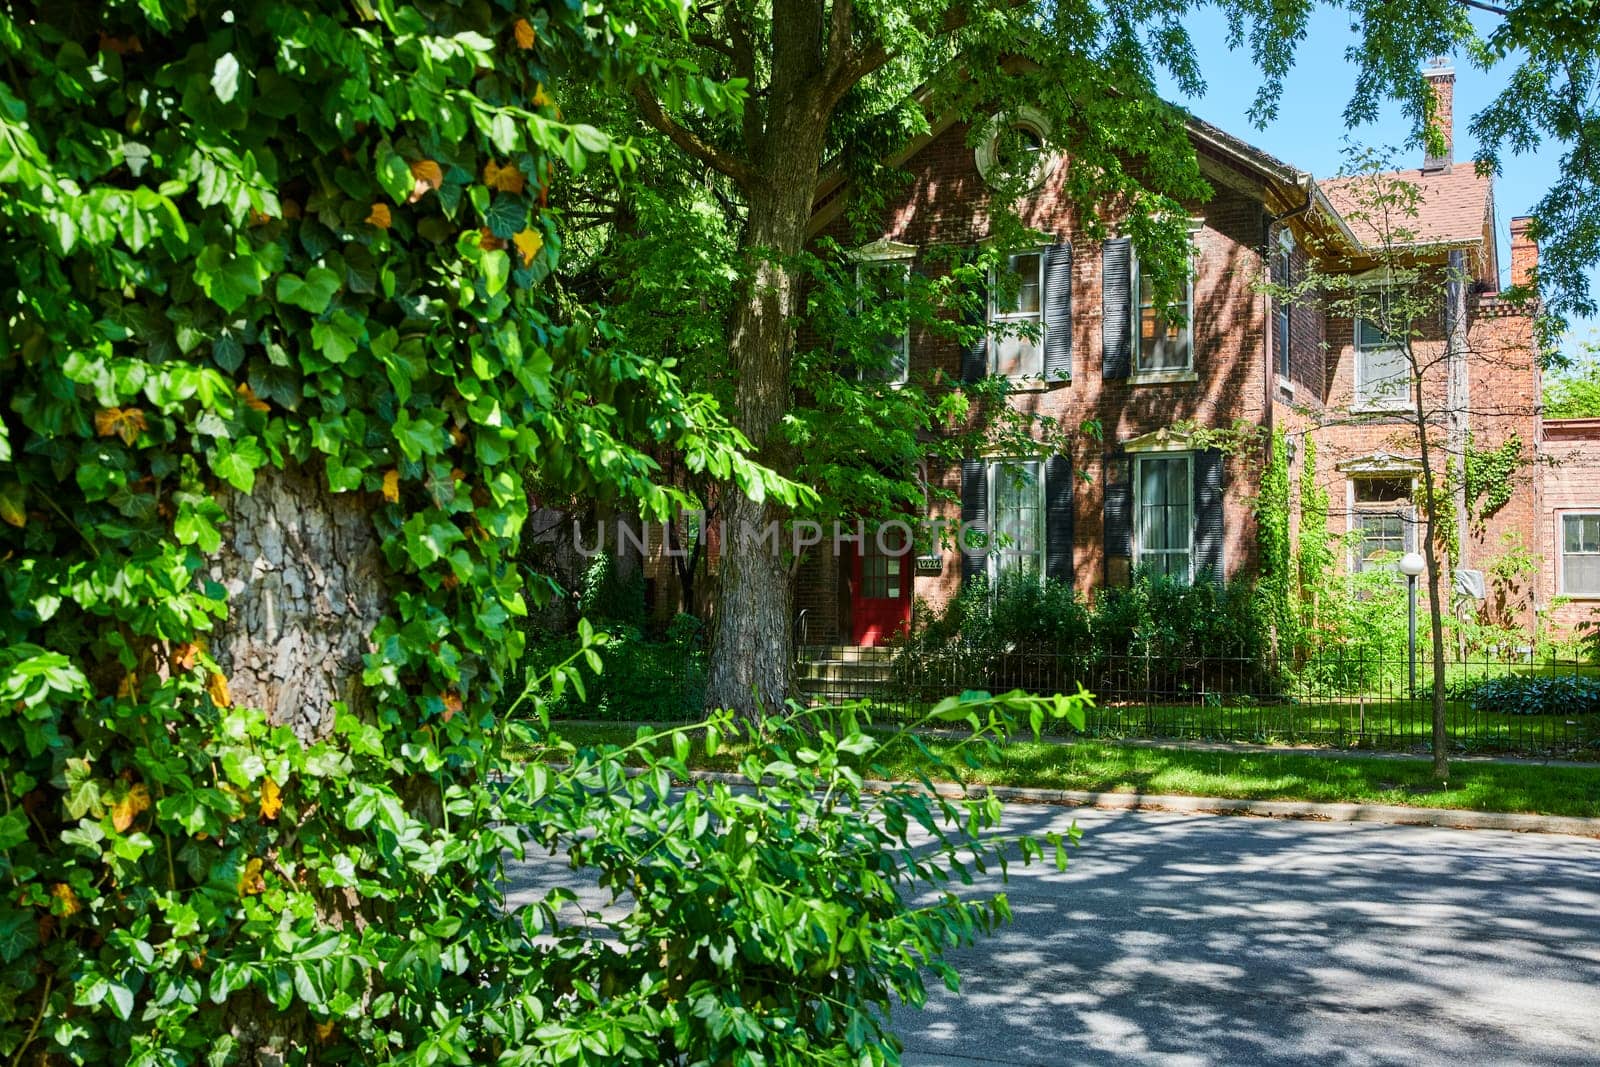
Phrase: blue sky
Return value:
(1309, 131)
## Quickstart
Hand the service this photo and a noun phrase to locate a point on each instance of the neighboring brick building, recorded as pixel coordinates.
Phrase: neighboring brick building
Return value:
(1152, 496)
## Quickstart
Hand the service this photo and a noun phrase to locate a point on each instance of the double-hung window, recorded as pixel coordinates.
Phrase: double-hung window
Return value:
(882, 285)
(1383, 372)
(1580, 555)
(1163, 346)
(1282, 337)
(1016, 313)
(1016, 486)
(1164, 515)
(1383, 519)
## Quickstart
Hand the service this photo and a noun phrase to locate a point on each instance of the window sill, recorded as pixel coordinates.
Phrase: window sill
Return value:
(1286, 386)
(1163, 377)
(1369, 409)
(1034, 384)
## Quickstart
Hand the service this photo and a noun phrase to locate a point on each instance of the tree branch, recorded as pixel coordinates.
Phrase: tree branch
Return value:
(691, 142)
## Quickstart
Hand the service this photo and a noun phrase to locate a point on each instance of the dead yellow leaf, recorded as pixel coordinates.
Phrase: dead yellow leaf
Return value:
(425, 176)
(128, 686)
(522, 30)
(251, 401)
(127, 807)
(250, 879)
(379, 216)
(528, 243)
(507, 179)
(126, 423)
(183, 656)
(217, 687)
(271, 799)
(391, 486)
(452, 704)
(324, 1030)
(541, 98)
(67, 898)
(488, 241)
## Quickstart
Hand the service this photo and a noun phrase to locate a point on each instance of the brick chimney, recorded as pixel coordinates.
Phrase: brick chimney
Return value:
(1524, 252)
(1442, 79)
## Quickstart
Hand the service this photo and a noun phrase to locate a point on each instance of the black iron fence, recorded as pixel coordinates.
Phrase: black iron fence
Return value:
(1339, 699)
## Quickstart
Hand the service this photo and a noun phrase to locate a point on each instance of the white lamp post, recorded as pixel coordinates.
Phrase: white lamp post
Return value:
(1411, 565)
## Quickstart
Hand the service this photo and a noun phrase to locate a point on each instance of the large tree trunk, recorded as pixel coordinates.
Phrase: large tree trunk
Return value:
(752, 640)
(305, 587)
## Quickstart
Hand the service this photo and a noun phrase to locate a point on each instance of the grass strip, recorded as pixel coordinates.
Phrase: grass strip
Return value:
(1106, 767)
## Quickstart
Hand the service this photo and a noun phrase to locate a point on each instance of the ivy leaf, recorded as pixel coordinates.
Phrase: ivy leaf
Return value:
(12, 497)
(225, 77)
(235, 462)
(496, 271)
(271, 799)
(217, 690)
(126, 423)
(394, 174)
(227, 280)
(391, 487)
(312, 293)
(506, 216)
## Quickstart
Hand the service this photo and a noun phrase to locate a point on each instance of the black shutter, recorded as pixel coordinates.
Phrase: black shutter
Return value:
(1116, 288)
(972, 539)
(1058, 518)
(1208, 527)
(1058, 313)
(975, 355)
(1118, 509)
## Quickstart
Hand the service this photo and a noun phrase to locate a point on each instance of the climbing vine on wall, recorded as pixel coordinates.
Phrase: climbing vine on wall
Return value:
(1272, 523)
(1314, 558)
(1489, 474)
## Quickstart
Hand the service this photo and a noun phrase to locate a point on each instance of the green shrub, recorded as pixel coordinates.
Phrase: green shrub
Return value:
(1533, 695)
(645, 681)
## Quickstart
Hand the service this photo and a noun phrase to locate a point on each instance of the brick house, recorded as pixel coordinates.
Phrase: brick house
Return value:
(1153, 497)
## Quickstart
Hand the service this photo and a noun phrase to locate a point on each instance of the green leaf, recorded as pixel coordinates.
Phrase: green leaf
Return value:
(496, 271)
(394, 174)
(225, 77)
(311, 293)
(507, 216)
(227, 280)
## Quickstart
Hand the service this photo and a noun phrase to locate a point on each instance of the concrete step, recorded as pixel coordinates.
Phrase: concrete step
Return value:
(833, 671)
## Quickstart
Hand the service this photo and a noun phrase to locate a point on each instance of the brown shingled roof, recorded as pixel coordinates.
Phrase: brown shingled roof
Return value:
(1452, 210)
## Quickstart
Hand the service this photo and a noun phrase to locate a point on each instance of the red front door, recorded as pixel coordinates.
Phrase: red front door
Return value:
(880, 588)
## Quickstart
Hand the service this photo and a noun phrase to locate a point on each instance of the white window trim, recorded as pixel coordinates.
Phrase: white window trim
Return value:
(1283, 310)
(1561, 551)
(991, 471)
(1186, 373)
(987, 153)
(997, 317)
(876, 255)
(1407, 512)
(1138, 502)
(1375, 280)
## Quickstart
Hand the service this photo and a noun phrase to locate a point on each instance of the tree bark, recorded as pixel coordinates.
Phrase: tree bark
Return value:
(1430, 553)
(752, 638)
(305, 587)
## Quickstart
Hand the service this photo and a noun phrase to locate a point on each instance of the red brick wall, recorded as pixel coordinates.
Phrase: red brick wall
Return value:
(1570, 477)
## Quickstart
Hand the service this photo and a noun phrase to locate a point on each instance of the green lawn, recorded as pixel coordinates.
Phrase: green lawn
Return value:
(1101, 766)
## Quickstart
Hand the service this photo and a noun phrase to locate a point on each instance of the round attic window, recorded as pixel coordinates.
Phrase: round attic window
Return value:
(1013, 149)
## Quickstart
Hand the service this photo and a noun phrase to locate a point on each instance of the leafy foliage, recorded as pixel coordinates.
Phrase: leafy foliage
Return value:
(1513, 694)
(238, 241)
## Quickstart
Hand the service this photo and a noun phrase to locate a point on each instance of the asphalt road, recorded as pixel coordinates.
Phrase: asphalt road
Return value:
(1208, 939)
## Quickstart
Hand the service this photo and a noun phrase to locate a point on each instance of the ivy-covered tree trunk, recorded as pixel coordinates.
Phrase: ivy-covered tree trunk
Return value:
(305, 588)
(752, 647)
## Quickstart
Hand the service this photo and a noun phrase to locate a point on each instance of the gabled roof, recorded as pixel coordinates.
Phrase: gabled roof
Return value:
(1452, 211)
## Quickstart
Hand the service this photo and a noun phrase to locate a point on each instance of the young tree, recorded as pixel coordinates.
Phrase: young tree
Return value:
(1410, 306)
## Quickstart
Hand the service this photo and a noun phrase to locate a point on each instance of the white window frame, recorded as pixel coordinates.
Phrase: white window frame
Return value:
(1001, 318)
(1163, 374)
(1362, 402)
(1561, 552)
(878, 256)
(1139, 551)
(988, 150)
(996, 550)
(1407, 511)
